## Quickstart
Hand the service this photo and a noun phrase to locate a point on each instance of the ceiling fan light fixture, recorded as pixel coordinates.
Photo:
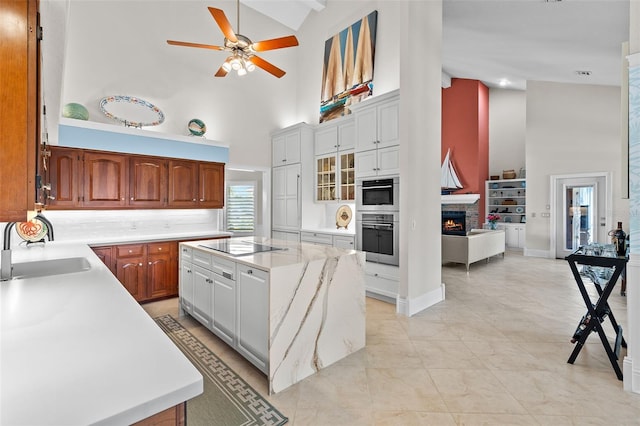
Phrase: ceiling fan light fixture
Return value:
(235, 63)
(250, 66)
(242, 71)
(226, 65)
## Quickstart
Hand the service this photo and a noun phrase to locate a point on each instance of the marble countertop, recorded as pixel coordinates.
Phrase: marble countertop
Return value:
(292, 254)
(78, 349)
(133, 237)
(333, 231)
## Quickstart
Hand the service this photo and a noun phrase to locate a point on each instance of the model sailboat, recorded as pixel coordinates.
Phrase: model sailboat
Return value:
(449, 181)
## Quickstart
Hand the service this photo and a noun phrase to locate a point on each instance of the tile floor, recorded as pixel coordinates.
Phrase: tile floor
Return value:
(494, 352)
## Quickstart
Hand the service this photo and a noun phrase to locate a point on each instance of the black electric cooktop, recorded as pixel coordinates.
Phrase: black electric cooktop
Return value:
(239, 248)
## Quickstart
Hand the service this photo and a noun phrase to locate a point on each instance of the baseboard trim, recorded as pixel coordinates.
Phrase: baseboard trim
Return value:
(410, 307)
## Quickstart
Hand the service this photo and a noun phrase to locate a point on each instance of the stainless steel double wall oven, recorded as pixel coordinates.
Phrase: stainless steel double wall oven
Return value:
(377, 210)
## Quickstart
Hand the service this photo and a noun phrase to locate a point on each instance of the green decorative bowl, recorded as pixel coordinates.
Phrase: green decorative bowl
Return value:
(74, 110)
(197, 127)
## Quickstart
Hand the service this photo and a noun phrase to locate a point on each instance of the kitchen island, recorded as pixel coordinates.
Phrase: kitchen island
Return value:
(291, 309)
(76, 348)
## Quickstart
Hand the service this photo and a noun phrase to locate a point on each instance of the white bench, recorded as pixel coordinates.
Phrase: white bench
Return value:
(477, 245)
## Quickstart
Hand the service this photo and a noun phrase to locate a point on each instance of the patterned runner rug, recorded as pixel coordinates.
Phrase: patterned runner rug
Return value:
(227, 399)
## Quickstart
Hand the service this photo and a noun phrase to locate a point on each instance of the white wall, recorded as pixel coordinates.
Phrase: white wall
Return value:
(507, 130)
(101, 59)
(571, 128)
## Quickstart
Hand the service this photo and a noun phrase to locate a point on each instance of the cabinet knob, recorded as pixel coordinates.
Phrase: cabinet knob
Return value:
(159, 248)
(131, 198)
(194, 200)
(284, 160)
(130, 251)
(122, 199)
(201, 199)
(140, 264)
(149, 263)
(250, 272)
(184, 250)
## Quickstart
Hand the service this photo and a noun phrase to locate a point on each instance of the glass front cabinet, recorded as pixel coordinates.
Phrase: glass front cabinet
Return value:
(335, 160)
(335, 177)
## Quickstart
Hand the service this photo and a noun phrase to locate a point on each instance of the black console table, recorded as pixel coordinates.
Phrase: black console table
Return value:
(604, 273)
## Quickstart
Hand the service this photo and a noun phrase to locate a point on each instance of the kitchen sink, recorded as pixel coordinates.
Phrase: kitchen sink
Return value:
(43, 268)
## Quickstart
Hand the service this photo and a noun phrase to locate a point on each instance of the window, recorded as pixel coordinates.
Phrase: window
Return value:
(241, 207)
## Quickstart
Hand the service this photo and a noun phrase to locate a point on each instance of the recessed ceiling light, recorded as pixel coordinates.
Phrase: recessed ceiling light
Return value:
(583, 73)
(504, 82)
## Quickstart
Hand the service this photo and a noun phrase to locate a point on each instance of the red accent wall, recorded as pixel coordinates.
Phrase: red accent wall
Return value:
(465, 130)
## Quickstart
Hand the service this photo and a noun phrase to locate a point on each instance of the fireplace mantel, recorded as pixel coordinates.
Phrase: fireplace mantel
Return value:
(460, 198)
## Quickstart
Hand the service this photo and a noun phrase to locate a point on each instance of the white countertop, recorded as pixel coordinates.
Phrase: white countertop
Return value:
(333, 231)
(293, 253)
(78, 349)
(133, 237)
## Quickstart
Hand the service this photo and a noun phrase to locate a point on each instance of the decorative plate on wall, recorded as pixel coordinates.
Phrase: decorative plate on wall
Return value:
(131, 111)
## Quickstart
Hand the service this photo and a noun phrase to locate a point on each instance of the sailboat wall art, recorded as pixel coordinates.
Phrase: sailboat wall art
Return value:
(449, 181)
(347, 71)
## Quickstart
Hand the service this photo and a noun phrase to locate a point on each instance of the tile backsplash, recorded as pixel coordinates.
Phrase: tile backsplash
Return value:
(94, 226)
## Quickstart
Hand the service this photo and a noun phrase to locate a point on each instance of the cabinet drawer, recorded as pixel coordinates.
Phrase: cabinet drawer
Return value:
(224, 267)
(186, 253)
(316, 238)
(164, 247)
(344, 242)
(202, 258)
(130, 250)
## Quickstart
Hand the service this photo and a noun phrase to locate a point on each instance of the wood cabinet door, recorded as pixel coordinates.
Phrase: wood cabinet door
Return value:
(183, 183)
(105, 254)
(162, 270)
(147, 182)
(131, 272)
(211, 185)
(19, 109)
(106, 178)
(62, 167)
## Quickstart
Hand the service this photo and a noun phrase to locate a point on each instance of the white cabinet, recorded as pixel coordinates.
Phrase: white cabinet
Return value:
(285, 197)
(377, 122)
(186, 286)
(382, 281)
(293, 237)
(202, 295)
(253, 316)
(378, 162)
(286, 148)
(224, 308)
(344, 242)
(515, 235)
(335, 135)
(327, 239)
(335, 161)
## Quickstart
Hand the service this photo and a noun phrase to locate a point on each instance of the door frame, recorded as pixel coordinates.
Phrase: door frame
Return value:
(553, 204)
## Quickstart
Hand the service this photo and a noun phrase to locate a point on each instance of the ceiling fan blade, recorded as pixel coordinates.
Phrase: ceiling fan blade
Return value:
(201, 46)
(275, 43)
(221, 72)
(268, 67)
(224, 24)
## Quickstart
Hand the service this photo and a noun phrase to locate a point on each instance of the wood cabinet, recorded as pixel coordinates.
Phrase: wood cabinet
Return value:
(211, 185)
(64, 177)
(19, 73)
(183, 183)
(147, 271)
(105, 180)
(105, 254)
(148, 178)
(87, 179)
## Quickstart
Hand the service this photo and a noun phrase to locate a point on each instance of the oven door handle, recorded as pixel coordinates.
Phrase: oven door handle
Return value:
(377, 226)
(378, 187)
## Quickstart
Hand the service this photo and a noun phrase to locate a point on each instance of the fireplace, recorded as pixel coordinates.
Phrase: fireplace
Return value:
(454, 222)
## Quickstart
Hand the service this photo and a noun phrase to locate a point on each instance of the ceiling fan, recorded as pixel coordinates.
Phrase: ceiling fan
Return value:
(242, 50)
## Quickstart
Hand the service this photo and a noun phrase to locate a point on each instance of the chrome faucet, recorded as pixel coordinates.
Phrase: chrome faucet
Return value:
(6, 266)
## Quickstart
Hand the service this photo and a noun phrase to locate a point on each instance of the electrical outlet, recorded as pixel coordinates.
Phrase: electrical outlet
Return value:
(545, 214)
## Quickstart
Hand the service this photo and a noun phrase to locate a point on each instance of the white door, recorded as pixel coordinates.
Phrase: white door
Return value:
(580, 215)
